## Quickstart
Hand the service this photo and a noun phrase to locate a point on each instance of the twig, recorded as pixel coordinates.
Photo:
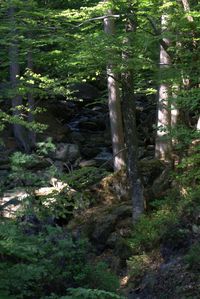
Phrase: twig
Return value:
(105, 163)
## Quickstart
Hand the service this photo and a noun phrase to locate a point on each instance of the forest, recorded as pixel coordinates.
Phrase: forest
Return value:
(99, 149)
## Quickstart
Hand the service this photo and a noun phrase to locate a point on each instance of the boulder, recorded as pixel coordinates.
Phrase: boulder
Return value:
(12, 201)
(66, 152)
(55, 128)
(87, 163)
(84, 91)
(100, 227)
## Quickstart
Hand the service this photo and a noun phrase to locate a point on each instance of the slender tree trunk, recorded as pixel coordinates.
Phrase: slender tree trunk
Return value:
(114, 101)
(198, 124)
(186, 7)
(163, 142)
(31, 103)
(30, 96)
(19, 131)
(129, 116)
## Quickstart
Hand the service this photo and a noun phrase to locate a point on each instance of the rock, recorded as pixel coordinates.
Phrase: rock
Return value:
(62, 110)
(104, 156)
(3, 173)
(32, 225)
(88, 125)
(55, 128)
(5, 167)
(3, 176)
(162, 183)
(112, 240)
(77, 137)
(150, 170)
(84, 91)
(102, 230)
(141, 152)
(4, 160)
(38, 163)
(66, 152)
(122, 249)
(11, 202)
(114, 187)
(59, 166)
(87, 163)
(57, 188)
(105, 225)
(89, 152)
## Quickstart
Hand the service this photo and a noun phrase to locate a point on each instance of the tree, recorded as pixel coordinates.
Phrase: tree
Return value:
(163, 142)
(114, 99)
(129, 116)
(20, 132)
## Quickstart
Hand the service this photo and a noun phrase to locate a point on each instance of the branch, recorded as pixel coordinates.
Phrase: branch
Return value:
(157, 33)
(98, 18)
(105, 163)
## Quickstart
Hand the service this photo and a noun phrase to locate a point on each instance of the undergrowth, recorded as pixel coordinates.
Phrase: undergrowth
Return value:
(172, 227)
(38, 264)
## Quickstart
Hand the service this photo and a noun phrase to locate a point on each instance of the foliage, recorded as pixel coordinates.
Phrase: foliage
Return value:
(139, 264)
(22, 170)
(188, 172)
(82, 178)
(107, 282)
(71, 46)
(149, 230)
(42, 260)
(193, 257)
(90, 294)
(44, 147)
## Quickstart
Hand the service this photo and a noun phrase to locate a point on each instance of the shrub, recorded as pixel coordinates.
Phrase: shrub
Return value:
(193, 257)
(49, 261)
(81, 293)
(84, 177)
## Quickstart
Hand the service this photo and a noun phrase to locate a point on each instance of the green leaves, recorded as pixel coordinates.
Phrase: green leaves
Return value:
(80, 293)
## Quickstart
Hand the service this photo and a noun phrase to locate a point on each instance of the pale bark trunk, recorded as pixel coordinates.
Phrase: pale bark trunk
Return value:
(114, 101)
(198, 124)
(129, 116)
(31, 103)
(174, 109)
(186, 7)
(163, 142)
(19, 131)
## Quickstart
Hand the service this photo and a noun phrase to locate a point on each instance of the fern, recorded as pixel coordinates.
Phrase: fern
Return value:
(81, 293)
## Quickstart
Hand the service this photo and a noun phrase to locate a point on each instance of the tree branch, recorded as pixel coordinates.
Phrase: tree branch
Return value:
(98, 18)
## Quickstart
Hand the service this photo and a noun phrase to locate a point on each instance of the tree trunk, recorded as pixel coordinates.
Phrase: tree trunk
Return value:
(114, 101)
(129, 117)
(20, 133)
(198, 124)
(31, 103)
(186, 7)
(163, 142)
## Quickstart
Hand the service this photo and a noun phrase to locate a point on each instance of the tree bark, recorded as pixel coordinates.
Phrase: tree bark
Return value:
(198, 124)
(31, 102)
(129, 117)
(114, 101)
(163, 142)
(186, 7)
(20, 133)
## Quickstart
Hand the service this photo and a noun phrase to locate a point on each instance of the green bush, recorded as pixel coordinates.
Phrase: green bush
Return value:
(47, 262)
(23, 172)
(193, 257)
(149, 230)
(82, 178)
(82, 293)
(107, 281)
